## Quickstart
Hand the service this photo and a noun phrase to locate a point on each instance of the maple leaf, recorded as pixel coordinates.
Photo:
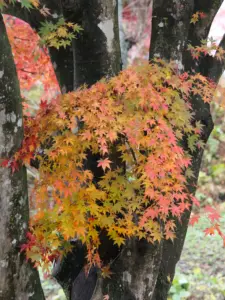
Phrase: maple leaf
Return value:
(69, 140)
(170, 225)
(202, 15)
(194, 219)
(86, 135)
(119, 241)
(43, 104)
(62, 31)
(35, 3)
(150, 193)
(195, 200)
(195, 18)
(150, 214)
(210, 231)
(106, 272)
(175, 210)
(45, 11)
(14, 165)
(156, 236)
(112, 136)
(213, 215)
(170, 235)
(104, 163)
(5, 163)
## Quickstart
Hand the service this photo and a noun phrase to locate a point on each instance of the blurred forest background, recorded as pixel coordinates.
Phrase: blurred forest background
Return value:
(200, 273)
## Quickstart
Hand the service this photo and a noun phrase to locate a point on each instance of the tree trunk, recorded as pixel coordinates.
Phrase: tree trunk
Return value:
(18, 280)
(97, 50)
(135, 268)
(96, 54)
(171, 33)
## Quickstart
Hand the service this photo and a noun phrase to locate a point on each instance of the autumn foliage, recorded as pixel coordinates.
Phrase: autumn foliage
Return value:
(144, 116)
(31, 58)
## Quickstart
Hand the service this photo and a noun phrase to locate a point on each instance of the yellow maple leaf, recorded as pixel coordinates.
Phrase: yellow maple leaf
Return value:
(35, 3)
(106, 273)
(62, 31)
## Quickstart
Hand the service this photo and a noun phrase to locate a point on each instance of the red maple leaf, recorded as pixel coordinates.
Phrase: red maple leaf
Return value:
(104, 163)
(5, 163)
(194, 219)
(14, 166)
(195, 201)
(213, 214)
(43, 105)
(202, 15)
(175, 210)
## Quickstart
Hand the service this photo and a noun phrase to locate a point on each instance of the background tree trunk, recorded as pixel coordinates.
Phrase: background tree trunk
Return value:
(18, 279)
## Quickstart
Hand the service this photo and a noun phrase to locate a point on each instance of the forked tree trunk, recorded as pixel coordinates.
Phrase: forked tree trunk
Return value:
(18, 279)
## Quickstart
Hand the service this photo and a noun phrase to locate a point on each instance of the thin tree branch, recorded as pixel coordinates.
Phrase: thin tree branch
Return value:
(132, 151)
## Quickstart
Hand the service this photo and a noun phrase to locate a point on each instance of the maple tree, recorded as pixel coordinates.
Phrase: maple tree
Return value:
(142, 134)
(135, 110)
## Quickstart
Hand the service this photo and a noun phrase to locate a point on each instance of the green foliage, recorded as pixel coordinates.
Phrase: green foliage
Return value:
(200, 271)
(179, 289)
(28, 4)
(59, 34)
(53, 34)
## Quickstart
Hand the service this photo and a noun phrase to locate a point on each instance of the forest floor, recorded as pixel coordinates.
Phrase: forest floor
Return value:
(200, 273)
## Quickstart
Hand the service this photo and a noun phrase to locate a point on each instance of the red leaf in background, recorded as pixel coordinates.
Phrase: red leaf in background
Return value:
(202, 15)
(14, 166)
(5, 163)
(194, 219)
(210, 231)
(195, 200)
(43, 104)
(32, 61)
(213, 214)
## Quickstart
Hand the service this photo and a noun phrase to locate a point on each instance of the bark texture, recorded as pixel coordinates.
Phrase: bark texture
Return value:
(97, 50)
(18, 279)
(171, 33)
(134, 271)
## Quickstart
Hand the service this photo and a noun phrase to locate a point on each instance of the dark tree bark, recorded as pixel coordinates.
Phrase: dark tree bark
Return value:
(141, 271)
(171, 33)
(18, 279)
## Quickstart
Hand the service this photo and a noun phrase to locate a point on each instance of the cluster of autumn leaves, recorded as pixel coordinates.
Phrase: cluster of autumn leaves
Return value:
(29, 56)
(137, 123)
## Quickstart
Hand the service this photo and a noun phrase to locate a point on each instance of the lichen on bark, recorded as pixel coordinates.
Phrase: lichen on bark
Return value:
(18, 280)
